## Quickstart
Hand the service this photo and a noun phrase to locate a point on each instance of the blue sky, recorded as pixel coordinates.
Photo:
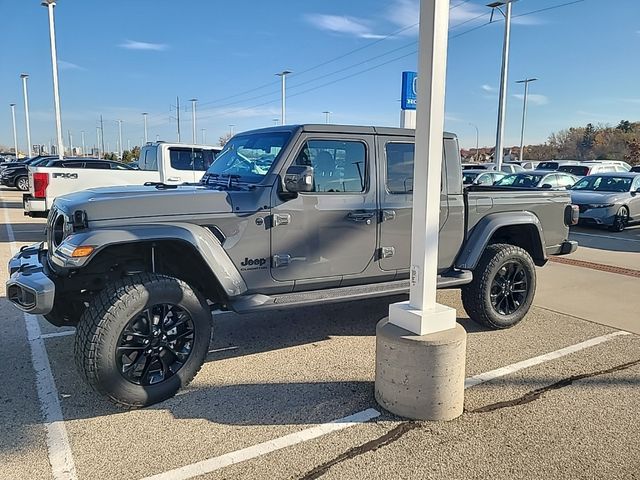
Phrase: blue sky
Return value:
(124, 57)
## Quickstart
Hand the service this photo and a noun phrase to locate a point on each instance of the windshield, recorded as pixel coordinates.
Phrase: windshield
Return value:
(248, 158)
(575, 170)
(520, 180)
(604, 184)
(468, 177)
(547, 166)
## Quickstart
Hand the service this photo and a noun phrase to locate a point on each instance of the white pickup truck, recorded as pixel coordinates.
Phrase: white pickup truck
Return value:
(169, 163)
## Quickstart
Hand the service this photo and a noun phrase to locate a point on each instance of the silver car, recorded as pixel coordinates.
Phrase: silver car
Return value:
(481, 177)
(538, 179)
(610, 199)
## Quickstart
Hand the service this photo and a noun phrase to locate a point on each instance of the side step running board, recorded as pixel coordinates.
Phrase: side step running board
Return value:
(260, 302)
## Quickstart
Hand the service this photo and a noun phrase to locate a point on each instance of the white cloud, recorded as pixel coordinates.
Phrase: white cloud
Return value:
(135, 45)
(405, 14)
(342, 24)
(63, 65)
(488, 88)
(533, 98)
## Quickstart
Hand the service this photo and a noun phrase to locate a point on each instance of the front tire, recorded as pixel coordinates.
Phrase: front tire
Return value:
(142, 339)
(503, 287)
(22, 183)
(621, 220)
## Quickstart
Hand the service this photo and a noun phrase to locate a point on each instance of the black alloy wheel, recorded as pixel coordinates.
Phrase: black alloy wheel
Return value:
(509, 288)
(621, 219)
(155, 344)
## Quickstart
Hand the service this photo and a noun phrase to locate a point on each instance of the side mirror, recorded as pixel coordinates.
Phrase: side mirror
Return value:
(299, 178)
(546, 186)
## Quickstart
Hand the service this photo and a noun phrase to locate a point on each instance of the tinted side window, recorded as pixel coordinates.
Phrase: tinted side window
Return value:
(72, 164)
(400, 167)
(150, 160)
(338, 166)
(98, 165)
(190, 158)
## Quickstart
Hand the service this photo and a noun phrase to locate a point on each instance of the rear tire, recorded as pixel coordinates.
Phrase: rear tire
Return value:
(142, 339)
(503, 287)
(621, 220)
(22, 183)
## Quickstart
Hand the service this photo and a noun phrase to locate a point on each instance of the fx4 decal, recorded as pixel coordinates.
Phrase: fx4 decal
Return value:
(68, 176)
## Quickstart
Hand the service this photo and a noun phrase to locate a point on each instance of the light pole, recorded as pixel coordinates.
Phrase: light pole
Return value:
(144, 116)
(194, 138)
(120, 138)
(283, 110)
(477, 139)
(204, 136)
(15, 134)
(70, 143)
(327, 113)
(54, 66)
(502, 112)
(231, 128)
(98, 141)
(24, 77)
(526, 82)
(84, 152)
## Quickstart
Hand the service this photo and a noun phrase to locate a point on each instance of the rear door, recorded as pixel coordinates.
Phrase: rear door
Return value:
(396, 156)
(330, 232)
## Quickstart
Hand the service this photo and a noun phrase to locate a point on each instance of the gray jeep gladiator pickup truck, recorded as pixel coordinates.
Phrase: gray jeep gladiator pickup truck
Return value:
(286, 216)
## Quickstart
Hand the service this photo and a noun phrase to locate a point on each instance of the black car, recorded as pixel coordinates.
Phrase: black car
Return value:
(635, 169)
(17, 175)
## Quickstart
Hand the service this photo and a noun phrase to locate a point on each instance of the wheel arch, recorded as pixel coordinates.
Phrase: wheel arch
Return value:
(181, 250)
(522, 229)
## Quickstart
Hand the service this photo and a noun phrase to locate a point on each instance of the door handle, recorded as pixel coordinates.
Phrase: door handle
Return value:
(173, 179)
(364, 217)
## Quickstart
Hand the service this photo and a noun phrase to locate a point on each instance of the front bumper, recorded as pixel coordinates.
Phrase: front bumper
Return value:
(29, 287)
(568, 247)
(33, 207)
(7, 181)
(598, 216)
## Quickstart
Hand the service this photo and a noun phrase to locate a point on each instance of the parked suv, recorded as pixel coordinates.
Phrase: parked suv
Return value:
(591, 168)
(286, 217)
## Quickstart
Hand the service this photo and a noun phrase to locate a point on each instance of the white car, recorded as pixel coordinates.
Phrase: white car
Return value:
(160, 162)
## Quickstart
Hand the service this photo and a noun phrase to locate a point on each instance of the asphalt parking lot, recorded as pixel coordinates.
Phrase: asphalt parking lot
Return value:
(554, 397)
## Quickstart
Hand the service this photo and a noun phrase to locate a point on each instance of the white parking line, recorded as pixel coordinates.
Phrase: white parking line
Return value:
(59, 449)
(501, 372)
(64, 333)
(217, 463)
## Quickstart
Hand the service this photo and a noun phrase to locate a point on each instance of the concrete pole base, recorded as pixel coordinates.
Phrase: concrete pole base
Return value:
(420, 377)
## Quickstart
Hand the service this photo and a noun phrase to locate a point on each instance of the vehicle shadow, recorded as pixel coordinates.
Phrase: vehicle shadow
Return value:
(317, 399)
(603, 239)
(31, 232)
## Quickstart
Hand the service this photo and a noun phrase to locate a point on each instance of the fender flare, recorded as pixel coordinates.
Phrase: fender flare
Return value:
(485, 229)
(203, 241)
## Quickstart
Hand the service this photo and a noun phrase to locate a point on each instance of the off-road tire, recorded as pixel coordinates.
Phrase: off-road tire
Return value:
(621, 220)
(101, 326)
(22, 183)
(476, 295)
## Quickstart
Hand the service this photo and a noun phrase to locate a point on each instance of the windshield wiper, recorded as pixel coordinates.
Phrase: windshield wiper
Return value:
(159, 185)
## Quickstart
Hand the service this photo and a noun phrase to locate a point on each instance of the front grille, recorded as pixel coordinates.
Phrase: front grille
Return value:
(583, 208)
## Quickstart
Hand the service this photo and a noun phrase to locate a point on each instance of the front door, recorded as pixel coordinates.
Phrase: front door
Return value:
(331, 231)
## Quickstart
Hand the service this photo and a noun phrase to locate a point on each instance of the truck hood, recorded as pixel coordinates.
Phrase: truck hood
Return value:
(591, 197)
(138, 201)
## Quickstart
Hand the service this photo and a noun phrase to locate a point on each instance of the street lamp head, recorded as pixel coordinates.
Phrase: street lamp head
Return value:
(527, 80)
(500, 4)
(24, 75)
(193, 99)
(12, 104)
(283, 73)
(46, 3)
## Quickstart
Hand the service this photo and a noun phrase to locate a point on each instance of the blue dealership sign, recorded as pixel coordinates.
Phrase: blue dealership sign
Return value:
(409, 84)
